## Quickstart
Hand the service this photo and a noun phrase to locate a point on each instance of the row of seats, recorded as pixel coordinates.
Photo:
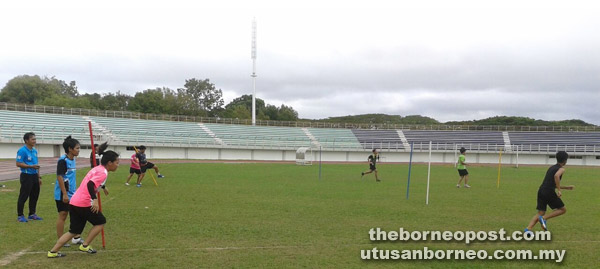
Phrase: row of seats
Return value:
(133, 131)
(13, 124)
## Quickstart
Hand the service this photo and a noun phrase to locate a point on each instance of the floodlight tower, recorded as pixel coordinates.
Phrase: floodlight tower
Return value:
(254, 71)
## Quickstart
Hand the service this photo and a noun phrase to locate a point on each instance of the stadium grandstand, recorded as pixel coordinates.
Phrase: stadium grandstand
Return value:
(181, 136)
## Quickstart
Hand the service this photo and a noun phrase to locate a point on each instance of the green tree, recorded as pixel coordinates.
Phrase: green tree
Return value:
(271, 112)
(153, 101)
(287, 113)
(238, 112)
(29, 89)
(201, 97)
(115, 101)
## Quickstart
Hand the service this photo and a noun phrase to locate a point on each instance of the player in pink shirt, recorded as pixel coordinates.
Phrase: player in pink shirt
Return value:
(84, 205)
(134, 168)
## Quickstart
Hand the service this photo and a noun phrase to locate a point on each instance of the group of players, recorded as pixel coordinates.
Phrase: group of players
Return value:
(549, 193)
(81, 202)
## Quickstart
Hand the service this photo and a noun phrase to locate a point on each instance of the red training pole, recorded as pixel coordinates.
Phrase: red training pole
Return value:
(94, 164)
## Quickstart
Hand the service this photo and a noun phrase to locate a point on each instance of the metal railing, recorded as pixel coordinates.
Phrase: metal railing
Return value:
(302, 124)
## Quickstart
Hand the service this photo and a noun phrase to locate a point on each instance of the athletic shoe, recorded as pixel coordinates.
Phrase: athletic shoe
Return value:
(378, 180)
(527, 231)
(87, 249)
(126, 184)
(458, 186)
(34, 217)
(67, 245)
(21, 219)
(543, 223)
(467, 186)
(77, 241)
(138, 185)
(55, 255)
(160, 176)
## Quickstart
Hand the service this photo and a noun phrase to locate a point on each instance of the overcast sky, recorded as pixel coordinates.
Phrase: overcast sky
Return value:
(449, 60)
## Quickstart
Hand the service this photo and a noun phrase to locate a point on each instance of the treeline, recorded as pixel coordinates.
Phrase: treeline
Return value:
(202, 98)
(195, 98)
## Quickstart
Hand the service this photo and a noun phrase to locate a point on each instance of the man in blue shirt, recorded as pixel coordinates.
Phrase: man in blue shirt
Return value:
(27, 160)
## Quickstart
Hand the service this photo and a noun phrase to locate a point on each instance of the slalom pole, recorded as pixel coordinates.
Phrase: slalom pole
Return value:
(428, 174)
(409, 168)
(136, 151)
(517, 156)
(455, 153)
(499, 167)
(94, 164)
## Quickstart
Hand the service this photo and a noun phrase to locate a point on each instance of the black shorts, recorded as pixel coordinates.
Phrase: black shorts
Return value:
(133, 170)
(148, 165)
(548, 197)
(463, 172)
(60, 206)
(81, 215)
(372, 167)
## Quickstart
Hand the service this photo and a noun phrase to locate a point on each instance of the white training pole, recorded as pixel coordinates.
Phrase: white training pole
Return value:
(428, 174)
(517, 156)
(455, 150)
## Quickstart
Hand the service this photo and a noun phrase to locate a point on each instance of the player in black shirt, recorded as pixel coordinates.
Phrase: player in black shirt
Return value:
(547, 194)
(145, 165)
(373, 158)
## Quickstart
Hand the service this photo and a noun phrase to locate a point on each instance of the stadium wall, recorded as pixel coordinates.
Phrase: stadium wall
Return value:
(8, 151)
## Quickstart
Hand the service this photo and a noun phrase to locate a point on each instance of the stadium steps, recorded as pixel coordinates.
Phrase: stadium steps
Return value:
(507, 145)
(404, 140)
(313, 139)
(210, 133)
(106, 134)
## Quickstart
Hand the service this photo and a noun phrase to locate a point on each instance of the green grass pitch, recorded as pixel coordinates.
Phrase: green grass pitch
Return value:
(242, 215)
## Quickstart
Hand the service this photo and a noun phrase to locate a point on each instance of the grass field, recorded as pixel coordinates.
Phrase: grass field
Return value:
(281, 215)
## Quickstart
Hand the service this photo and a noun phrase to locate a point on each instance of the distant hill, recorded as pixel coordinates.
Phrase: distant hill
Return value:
(519, 121)
(381, 119)
(417, 119)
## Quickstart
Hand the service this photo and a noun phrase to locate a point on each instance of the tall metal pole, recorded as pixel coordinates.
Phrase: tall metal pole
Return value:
(254, 71)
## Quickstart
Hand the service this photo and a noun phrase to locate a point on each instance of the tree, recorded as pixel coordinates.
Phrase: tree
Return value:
(238, 112)
(27, 89)
(287, 113)
(271, 112)
(201, 98)
(157, 101)
(117, 101)
(246, 100)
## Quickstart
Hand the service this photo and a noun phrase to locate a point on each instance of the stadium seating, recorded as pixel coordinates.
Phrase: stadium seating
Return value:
(47, 127)
(335, 138)
(378, 139)
(260, 136)
(53, 128)
(138, 132)
(552, 142)
(449, 140)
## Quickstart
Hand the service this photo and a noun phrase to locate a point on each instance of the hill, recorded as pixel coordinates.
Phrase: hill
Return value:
(417, 119)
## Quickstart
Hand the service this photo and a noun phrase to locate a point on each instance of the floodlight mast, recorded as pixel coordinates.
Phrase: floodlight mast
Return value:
(254, 71)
